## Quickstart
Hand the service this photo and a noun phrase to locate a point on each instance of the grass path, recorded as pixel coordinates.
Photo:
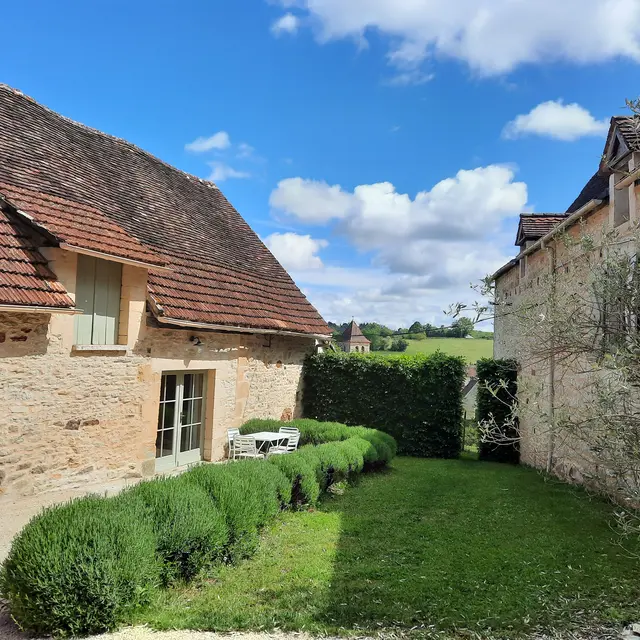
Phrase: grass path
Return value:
(455, 544)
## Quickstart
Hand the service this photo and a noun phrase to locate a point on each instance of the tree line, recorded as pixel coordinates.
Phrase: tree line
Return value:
(385, 339)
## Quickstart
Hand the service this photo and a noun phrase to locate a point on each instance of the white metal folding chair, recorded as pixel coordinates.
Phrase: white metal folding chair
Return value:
(231, 434)
(293, 438)
(245, 447)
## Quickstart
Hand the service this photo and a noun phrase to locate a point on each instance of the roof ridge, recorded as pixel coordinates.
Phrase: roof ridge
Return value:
(104, 134)
(533, 214)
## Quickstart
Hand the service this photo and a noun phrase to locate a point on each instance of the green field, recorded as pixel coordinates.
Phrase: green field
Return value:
(472, 350)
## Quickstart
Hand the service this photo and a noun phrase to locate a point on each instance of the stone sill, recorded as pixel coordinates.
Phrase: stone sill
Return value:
(99, 347)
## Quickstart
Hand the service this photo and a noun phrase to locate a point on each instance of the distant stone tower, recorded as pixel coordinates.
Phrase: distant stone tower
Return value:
(353, 340)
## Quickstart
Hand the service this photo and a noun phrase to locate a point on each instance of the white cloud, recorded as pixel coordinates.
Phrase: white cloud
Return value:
(491, 36)
(296, 252)
(288, 23)
(245, 150)
(423, 251)
(553, 119)
(375, 215)
(310, 201)
(221, 172)
(218, 141)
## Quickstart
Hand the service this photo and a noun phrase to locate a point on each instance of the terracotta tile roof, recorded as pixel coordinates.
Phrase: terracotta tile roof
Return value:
(78, 225)
(221, 272)
(596, 189)
(25, 278)
(534, 226)
(353, 334)
(629, 127)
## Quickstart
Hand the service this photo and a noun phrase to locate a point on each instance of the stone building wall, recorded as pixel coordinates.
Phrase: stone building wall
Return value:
(69, 417)
(546, 388)
(66, 417)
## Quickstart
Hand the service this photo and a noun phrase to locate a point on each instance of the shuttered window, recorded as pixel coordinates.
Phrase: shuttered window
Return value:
(98, 295)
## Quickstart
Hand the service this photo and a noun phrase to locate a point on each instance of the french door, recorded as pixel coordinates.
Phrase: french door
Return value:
(180, 432)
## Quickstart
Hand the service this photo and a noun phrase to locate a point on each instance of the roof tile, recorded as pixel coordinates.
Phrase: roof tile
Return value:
(25, 278)
(534, 226)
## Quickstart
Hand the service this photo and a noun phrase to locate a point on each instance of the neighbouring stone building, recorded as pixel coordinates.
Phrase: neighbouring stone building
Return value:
(140, 316)
(547, 385)
(354, 341)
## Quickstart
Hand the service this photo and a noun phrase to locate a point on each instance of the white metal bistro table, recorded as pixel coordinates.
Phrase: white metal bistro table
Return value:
(267, 439)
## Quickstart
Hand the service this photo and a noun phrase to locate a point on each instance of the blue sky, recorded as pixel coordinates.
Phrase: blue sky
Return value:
(367, 142)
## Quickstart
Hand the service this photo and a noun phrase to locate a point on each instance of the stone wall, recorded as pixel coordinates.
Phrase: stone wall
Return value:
(66, 418)
(70, 417)
(548, 387)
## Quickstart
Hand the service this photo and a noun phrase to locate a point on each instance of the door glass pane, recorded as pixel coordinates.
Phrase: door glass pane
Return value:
(167, 443)
(188, 385)
(185, 439)
(195, 436)
(198, 384)
(170, 387)
(159, 444)
(191, 411)
(169, 414)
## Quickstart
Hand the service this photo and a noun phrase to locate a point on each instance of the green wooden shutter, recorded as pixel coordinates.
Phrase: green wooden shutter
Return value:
(113, 302)
(98, 294)
(85, 291)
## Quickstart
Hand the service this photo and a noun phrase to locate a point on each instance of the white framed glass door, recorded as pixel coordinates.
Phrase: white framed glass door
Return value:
(180, 430)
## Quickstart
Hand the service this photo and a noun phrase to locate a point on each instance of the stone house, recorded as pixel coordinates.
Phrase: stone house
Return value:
(140, 316)
(354, 341)
(547, 385)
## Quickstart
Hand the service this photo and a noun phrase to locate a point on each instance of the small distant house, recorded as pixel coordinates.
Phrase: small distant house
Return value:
(354, 341)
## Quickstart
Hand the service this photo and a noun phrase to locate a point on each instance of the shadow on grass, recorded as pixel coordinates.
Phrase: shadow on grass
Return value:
(450, 544)
(481, 546)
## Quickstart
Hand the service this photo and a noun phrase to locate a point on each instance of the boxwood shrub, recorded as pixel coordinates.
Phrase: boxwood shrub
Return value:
(302, 474)
(497, 391)
(249, 493)
(416, 399)
(191, 532)
(83, 567)
(80, 567)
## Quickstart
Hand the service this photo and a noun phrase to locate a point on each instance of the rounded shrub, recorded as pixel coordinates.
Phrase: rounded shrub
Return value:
(354, 454)
(367, 450)
(269, 483)
(305, 488)
(385, 453)
(248, 493)
(80, 568)
(334, 462)
(191, 532)
(314, 432)
(237, 503)
(260, 424)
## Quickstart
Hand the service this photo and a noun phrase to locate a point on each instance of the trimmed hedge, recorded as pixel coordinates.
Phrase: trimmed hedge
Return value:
(80, 568)
(497, 390)
(302, 474)
(415, 399)
(83, 567)
(249, 493)
(191, 532)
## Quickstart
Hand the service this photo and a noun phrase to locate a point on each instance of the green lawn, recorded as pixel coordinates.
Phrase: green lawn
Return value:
(471, 349)
(454, 544)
